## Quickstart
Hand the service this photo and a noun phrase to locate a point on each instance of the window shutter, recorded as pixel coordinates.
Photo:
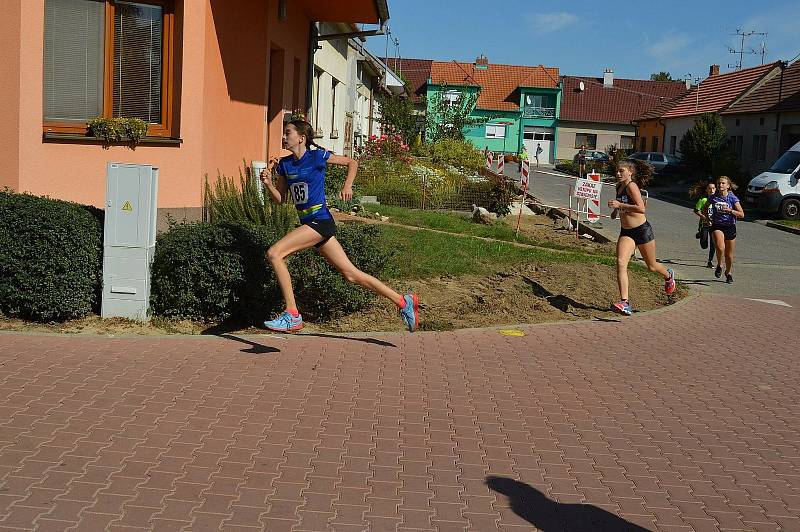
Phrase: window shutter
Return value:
(73, 59)
(138, 38)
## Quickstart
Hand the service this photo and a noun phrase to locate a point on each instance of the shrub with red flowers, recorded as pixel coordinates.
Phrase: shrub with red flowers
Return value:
(389, 146)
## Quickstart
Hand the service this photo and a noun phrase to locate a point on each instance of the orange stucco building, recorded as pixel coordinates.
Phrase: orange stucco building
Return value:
(228, 69)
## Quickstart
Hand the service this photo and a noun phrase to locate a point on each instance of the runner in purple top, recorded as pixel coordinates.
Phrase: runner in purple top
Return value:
(724, 209)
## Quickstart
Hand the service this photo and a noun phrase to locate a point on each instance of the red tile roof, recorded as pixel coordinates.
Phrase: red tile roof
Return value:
(659, 110)
(498, 83)
(765, 99)
(624, 101)
(415, 71)
(717, 92)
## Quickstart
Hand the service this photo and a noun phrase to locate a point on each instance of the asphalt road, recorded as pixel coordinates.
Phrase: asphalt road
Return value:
(767, 261)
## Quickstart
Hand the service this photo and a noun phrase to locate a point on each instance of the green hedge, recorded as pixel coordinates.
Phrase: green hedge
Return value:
(212, 272)
(215, 272)
(50, 258)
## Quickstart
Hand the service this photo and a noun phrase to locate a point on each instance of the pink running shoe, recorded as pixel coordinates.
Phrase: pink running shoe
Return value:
(669, 282)
(622, 307)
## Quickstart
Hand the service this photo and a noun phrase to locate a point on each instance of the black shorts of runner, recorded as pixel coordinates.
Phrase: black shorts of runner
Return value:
(326, 227)
(728, 230)
(640, 235)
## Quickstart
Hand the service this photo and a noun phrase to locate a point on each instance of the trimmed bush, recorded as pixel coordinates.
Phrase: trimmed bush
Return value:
(50, 258)
(212, 272)
(215, 272)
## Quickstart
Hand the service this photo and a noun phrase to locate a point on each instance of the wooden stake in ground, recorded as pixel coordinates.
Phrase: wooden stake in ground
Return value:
(523, 182)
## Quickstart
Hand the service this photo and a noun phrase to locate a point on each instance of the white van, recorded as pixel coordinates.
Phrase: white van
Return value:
(777, 189)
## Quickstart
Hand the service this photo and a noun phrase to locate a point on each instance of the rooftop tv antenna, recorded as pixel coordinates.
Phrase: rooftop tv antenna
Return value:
(742, 50)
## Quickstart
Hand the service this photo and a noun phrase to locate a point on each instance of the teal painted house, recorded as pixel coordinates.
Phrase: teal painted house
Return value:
(523, 101)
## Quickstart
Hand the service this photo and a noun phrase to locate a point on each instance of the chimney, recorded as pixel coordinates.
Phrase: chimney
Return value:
(608, 78)
(688, 83)
(713, 70)
(481, 62)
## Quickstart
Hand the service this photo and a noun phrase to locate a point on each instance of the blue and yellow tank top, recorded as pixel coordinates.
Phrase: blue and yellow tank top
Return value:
(306, 183)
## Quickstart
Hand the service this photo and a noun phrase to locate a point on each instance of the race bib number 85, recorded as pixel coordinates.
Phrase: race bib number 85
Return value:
(298, 193)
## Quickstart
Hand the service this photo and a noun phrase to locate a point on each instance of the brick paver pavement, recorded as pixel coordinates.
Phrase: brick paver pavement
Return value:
(685, 419)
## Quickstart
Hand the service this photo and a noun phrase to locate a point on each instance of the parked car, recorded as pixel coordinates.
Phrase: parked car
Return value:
(662, 163)
(777, 189)
(592, 155)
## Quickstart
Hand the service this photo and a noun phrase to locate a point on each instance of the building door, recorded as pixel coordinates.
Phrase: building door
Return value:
(534, 136)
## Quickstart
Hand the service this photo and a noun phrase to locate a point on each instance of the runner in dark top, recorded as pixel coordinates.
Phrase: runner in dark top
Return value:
(636, 231)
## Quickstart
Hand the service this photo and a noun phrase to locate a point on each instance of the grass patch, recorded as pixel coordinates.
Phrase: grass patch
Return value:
(456, 223)
(790, 223)
(423, 254)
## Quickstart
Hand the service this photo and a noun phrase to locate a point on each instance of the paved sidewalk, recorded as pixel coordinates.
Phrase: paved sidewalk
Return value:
(683, 419)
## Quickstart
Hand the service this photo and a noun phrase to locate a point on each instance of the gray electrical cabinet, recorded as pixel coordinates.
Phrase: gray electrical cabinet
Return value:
(129, 239)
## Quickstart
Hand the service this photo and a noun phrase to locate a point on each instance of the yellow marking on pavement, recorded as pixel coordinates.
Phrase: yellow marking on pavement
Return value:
(511, 332)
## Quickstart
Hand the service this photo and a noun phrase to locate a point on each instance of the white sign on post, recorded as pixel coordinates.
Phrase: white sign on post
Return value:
(587, 189)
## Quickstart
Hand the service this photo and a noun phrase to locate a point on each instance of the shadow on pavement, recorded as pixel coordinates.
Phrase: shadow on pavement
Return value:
(561, 302)
(549, 516)
(255, 348)
(223, 329)
(697, 264)
(373, 341)
(699, 282)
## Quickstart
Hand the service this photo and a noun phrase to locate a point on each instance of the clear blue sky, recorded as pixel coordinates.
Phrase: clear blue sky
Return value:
(584, 37)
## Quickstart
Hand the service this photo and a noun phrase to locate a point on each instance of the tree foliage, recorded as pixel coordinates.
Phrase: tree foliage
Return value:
(447, 119)
(705, 146)
(397, 116)
(661, 76)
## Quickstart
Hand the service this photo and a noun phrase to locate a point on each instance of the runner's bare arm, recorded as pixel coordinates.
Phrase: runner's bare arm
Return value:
(352, 167)
(737, 211)
(277, 193)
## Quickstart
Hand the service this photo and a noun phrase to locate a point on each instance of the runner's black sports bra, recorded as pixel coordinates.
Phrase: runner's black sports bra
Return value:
(622, 197)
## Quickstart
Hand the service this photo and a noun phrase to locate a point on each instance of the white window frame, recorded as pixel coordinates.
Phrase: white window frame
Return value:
(451, 97)
(494, 131)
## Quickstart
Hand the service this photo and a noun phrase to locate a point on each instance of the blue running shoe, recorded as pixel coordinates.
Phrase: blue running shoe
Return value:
(285, 323)
(622, 307)
(410, 313)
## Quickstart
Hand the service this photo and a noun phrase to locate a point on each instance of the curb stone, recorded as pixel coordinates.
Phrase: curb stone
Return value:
(781, 227)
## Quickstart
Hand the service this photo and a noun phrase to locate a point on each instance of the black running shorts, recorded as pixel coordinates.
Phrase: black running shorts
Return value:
(640, 235)
(326, 227)
(728, 230)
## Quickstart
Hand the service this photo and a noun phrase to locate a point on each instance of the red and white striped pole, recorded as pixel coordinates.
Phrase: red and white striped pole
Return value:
(501, 161)
(523, 183)
(489, 161)
(593, 206)
(526, 168)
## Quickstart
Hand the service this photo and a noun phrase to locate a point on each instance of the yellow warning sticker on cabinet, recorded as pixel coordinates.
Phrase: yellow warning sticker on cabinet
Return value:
(127, 207)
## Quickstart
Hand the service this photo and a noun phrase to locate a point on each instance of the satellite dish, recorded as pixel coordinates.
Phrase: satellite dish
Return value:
(581, 86)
